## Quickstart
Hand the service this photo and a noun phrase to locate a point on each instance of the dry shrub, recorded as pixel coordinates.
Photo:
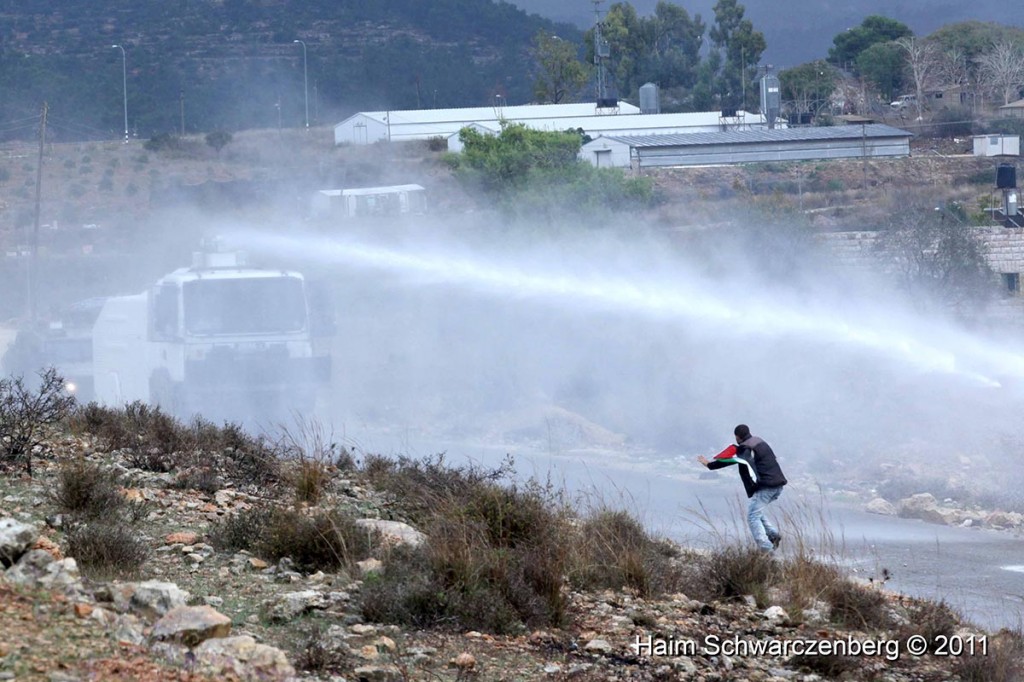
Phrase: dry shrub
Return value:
(856, 606)
(314, 458)
(1003, 662)
(317, 656)
(87, 490)
(27, 412)
(808, 580)
(735, 571)
(417, 486)
(495, 555)
(242, 530)
(830, 666)
(459, 586)
(105, 549)
(153, 440)
(931, 619)
(326, 540)
(202, 479)
(613, 550)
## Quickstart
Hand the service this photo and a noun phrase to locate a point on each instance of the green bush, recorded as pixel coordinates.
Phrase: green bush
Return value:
(538, 174)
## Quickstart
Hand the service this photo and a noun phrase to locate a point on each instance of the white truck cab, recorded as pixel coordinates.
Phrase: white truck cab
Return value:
(218, 338)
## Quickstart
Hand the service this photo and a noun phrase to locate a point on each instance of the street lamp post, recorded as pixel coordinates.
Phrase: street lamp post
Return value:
(124, 81)
(305, 79)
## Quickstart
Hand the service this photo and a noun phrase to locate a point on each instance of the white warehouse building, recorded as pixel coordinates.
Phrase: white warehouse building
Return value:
(626, 119)
(368, 127)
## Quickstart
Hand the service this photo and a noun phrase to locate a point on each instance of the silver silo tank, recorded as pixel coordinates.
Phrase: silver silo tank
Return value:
(650, 99)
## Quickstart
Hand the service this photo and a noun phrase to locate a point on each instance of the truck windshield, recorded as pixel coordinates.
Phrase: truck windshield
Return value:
(256, 305)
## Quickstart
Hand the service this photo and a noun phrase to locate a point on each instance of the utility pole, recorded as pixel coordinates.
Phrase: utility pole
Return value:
(35, 230)
(305, 79)
(124, 84)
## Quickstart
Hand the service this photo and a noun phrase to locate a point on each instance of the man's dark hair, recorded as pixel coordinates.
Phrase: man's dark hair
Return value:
(742, 432)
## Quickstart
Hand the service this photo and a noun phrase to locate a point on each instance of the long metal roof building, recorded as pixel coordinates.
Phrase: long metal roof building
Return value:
(747, 146)
(373, 126)
(367, 127)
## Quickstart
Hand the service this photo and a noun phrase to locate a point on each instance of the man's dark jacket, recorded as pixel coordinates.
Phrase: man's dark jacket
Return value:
(761, 457)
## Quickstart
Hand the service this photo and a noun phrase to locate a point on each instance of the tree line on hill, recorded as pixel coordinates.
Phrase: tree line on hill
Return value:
(196, 66)
(702, 67)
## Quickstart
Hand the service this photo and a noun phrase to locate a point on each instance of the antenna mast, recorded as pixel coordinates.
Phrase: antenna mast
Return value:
(601, 52)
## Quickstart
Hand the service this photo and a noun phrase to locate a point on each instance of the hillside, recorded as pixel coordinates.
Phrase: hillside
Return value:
(144, 549)
(235, 65)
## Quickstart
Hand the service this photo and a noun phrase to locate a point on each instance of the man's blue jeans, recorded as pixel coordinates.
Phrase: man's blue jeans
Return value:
(760, 527)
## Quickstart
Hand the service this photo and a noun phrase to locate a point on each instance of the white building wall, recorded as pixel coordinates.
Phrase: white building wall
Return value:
(360, 129)
(606, 153)
(997, 145)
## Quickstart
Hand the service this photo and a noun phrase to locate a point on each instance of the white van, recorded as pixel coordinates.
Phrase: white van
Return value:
(904, 101)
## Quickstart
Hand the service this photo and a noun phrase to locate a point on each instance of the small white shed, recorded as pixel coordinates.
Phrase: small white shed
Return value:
(369, 201)
(997, 145)
(606, 152)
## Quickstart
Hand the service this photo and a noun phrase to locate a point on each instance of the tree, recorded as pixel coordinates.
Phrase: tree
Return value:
(1001, 69)
(922, 62)
(218, 139)
(848, 46)
(27, 414)
(809, 86)
(559, 74)
(742, 47)
(537, 174)
(674, 47)
(936, 256)
(663, 48)
(882, 66)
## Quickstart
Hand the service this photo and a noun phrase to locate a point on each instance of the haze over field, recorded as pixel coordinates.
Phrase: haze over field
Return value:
(635, 338)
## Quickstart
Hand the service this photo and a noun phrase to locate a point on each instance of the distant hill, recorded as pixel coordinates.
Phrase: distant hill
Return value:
(234, 64)
(802, 32)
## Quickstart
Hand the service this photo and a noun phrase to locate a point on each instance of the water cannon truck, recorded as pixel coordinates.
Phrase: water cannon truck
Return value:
(219, 339)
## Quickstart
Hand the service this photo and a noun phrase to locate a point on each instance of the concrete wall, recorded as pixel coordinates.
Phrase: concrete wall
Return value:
(1004, 248)
(1004, 251)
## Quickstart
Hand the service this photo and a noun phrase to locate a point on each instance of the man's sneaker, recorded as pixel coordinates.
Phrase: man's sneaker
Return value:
(776, 541)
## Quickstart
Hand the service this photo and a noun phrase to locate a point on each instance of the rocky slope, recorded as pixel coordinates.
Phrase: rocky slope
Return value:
(195, 612)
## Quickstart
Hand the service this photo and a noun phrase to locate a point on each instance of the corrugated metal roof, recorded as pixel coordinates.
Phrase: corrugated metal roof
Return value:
(874, 130)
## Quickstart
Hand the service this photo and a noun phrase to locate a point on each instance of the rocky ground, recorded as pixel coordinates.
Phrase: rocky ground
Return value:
(195, 613)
